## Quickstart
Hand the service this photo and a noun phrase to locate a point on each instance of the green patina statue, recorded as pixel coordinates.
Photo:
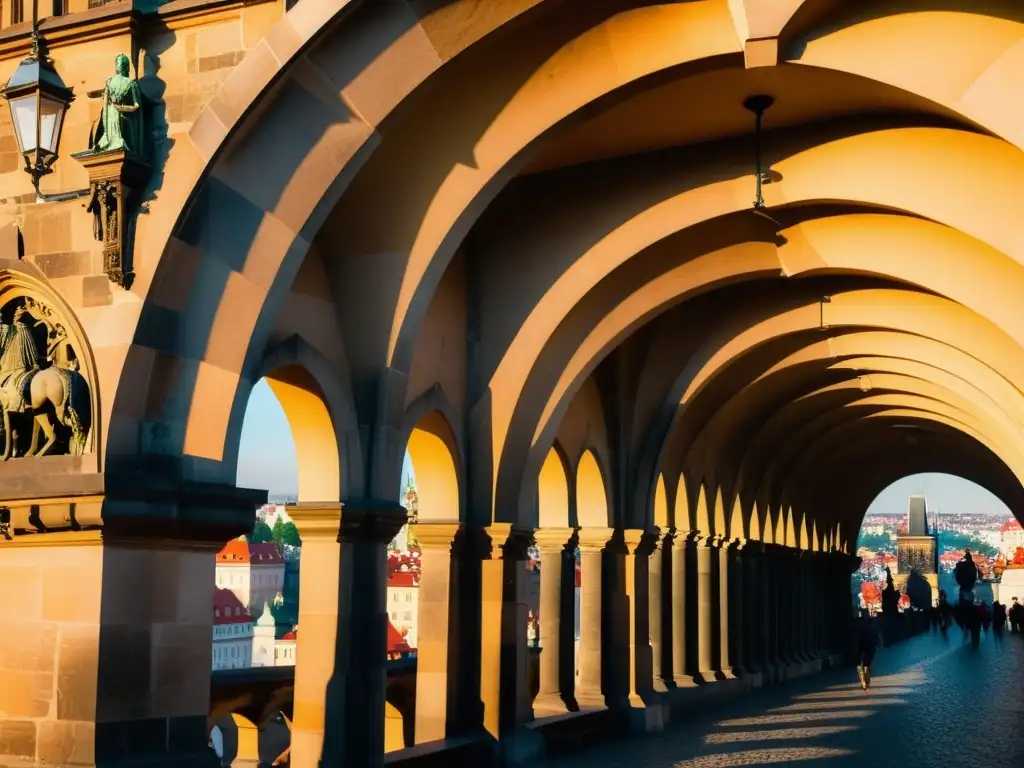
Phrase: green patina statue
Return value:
(120, 122)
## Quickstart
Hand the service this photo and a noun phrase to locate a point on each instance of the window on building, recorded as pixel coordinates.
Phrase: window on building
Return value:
(408, 597)
(394, 615)
(408, 616)
(394, 597)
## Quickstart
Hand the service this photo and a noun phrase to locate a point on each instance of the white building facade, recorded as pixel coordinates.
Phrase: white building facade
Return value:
(232, 632)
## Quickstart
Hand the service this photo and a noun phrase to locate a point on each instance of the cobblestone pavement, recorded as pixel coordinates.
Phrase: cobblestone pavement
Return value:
(909, 717)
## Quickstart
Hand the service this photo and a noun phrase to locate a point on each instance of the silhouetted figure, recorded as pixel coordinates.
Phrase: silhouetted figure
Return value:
(966, 573)
(945, 611)
(1016, 616)
(998, 618)
(890, 597)
(984, 616)
(867, 644)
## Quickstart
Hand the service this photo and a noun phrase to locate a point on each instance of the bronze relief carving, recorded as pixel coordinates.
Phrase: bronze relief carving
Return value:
(44, 397)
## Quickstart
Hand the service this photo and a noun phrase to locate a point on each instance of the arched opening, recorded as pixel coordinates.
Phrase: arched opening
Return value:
(921, 511)
(591, 496)
(553, 492)
(418, 586)
(661, 504)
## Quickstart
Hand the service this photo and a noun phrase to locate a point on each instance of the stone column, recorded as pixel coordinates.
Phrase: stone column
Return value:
(504, 672)
(435, 626)
(353, 715)
(770, 608)
(655, 597)
(681, 676)
(705, 609)
(785, 591)
(105, 655)
(726, 611)
(557, 551)
(737, 610)
(752, 601)
(319, 526)
(589, 681)
(631, 623)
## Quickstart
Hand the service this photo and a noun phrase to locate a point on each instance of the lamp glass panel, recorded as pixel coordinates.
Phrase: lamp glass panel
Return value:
(51, 113)
(23, 115)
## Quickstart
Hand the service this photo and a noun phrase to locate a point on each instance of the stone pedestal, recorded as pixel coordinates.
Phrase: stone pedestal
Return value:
(433, 659)
(557, 616)
(339, 696)
(106, 653)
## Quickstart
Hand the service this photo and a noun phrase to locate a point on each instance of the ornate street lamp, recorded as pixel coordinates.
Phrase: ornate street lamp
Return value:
(39, 100)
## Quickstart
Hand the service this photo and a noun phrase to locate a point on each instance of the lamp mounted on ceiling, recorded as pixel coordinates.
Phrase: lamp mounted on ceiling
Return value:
(759, 104)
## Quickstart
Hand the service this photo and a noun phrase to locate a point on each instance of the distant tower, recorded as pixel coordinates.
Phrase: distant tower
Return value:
(918, 553)
(264, 639)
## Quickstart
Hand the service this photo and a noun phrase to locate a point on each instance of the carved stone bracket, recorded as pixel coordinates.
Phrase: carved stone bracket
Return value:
(116, 184)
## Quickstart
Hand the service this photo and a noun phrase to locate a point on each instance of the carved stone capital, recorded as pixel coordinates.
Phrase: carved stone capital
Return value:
(512, 541)
(681, 538)
(435, 535)
(593, 540)
(317, 520)
(554, 540)
(371, 520)
(471, 544)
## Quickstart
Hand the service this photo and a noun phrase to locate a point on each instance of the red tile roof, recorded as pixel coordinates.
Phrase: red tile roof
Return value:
(241, 552)
(228, 609)
(1010, 526)
(403, 579)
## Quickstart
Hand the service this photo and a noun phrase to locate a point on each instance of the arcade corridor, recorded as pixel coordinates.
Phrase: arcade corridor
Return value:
(826, 720)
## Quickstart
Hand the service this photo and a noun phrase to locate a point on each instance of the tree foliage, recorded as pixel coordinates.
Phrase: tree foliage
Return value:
(261, 533)
(290, 535)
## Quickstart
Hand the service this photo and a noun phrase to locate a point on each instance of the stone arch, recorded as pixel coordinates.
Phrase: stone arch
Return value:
(320, 417)
(592, 494)
(433, 450)
(232, 103)
(553, 496)
(798, 257)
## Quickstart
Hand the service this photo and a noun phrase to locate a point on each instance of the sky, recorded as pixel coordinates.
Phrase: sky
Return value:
(266, 457)
(267, 460)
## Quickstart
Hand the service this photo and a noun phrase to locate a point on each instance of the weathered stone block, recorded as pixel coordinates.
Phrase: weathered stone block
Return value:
(17, 738)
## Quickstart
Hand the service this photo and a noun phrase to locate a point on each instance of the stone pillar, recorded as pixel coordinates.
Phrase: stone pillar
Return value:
(752, 601)
(590, 680)
(319, 526)
(738, 607)
(557, 618)
(353, 712)
(631, 624)
(705, 610)
(656, 601)
(784, 583)
(680, 545)
(726, 611)
(770, 608)
(504, 671)
(435, 626)
(105, 655)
